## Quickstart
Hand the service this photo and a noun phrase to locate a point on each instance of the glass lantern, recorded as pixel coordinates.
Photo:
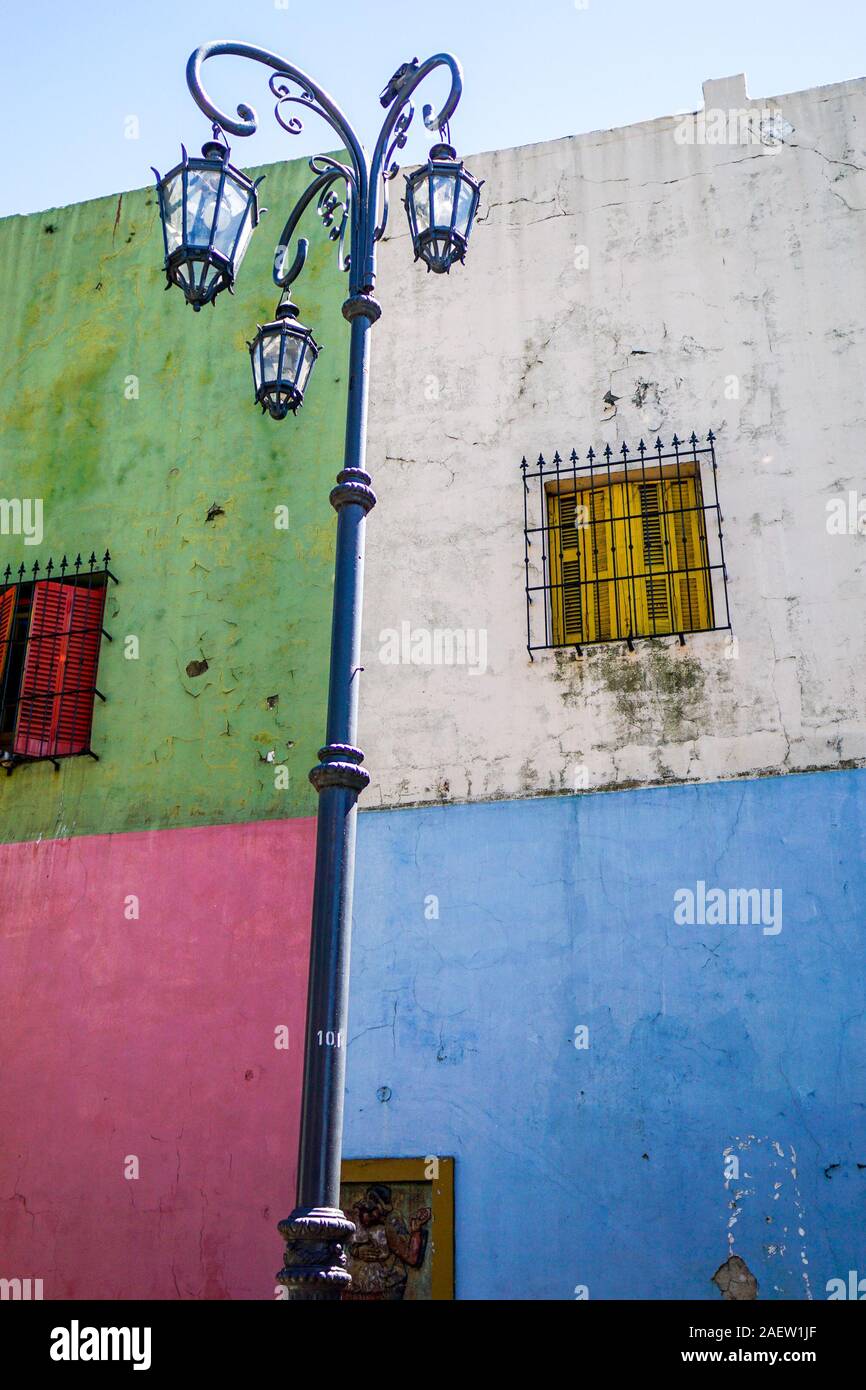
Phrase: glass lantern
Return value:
(441, 203)
(282, 355)
(209, 210)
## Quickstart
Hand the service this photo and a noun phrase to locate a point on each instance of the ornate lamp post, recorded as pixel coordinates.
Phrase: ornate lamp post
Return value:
(209, 211)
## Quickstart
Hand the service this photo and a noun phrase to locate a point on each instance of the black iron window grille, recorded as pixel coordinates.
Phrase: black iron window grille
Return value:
(50, 635)
(624, 546)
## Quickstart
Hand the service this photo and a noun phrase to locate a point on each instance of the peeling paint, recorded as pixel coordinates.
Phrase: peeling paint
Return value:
(735, 1281)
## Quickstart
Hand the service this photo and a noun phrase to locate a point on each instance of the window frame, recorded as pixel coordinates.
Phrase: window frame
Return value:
(50, 636)
(622, 529)
(655, 550)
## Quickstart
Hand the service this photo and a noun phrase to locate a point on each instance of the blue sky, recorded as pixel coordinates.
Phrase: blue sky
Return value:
(72, 73)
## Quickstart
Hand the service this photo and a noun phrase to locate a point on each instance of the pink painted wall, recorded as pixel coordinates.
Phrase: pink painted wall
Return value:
(152, 1038)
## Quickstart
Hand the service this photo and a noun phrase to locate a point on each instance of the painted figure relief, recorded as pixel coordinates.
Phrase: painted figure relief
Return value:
(387, 1257)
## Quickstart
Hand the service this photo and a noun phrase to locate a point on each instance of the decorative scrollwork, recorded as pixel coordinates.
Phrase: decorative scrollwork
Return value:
(391, 170)
(337, 214)
(390, 166)
(286, 97)
(281, 72)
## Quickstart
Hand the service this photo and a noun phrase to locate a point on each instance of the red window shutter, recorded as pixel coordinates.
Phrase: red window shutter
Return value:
(7, 612)
(75, 712)
(55, 709)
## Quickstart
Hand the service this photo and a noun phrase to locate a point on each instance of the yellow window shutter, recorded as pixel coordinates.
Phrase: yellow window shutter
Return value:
(606, 601)
(566, 594)
(693, 600)
(651, 558)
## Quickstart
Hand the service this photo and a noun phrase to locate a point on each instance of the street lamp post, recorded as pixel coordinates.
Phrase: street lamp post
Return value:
(209, 210)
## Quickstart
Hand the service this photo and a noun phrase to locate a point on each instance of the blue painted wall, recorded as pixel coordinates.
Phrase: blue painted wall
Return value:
(604, 1166)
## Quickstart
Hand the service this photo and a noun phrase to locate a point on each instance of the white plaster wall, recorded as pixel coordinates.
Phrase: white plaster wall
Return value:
(713, 260)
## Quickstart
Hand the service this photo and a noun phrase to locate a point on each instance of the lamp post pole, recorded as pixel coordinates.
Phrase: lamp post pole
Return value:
(208, 212)
(317, 1230)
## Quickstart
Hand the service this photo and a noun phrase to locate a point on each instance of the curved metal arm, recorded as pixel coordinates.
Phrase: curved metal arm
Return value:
(327, 207)
(247, 125)
(393, 133)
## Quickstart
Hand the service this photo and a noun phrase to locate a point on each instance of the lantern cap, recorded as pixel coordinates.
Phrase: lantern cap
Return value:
(218, 146)
(213, 149)
(286, 309)
(443, 151)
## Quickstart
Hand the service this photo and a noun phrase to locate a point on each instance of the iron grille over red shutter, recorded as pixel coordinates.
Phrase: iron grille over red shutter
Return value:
(55, 710)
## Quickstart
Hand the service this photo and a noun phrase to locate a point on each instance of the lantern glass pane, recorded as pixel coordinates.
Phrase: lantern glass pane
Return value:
(291, 356)
(244, 239)
(257, 365)
(202, 187)
(306, 368)
(172, 211)
(443, 199)
(465, 200)
(421, 199)
(271, 356)
(233, 218)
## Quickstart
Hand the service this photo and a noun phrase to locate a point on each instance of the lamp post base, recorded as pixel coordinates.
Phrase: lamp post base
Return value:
(315, 1260)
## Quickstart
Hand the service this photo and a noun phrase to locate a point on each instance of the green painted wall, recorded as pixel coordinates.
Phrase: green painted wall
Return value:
(85, 310)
